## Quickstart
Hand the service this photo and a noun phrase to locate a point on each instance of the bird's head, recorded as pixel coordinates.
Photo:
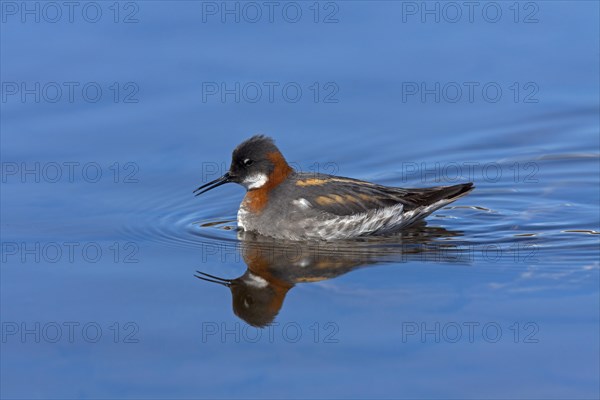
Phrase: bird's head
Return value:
(255, 163)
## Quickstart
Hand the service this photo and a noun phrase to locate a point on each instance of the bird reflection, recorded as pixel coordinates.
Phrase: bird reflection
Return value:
(275, 267)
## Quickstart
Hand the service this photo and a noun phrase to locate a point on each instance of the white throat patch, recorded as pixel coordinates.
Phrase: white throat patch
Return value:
(255, 181)
(256, 281)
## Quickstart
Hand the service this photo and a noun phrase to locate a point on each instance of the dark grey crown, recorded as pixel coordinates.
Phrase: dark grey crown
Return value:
(257, 146)
(252, 157)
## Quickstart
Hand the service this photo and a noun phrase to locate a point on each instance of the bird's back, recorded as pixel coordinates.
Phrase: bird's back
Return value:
(309, 205)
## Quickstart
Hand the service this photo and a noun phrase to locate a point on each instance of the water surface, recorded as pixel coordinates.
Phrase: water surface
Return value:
(496, 296)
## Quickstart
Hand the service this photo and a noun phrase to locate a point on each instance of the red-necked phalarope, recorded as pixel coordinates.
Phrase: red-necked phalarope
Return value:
(286, 204)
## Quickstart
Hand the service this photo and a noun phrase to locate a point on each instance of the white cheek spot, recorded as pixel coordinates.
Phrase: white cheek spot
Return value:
(257, 281)
(302, 203)
(255, 181)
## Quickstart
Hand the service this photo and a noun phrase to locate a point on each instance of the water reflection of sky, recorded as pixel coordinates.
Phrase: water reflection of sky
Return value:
(370, 331)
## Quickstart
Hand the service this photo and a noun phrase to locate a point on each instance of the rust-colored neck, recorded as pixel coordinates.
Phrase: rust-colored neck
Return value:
(256, 199)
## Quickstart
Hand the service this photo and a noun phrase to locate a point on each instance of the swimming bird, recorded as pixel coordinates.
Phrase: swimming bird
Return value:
(286, 204)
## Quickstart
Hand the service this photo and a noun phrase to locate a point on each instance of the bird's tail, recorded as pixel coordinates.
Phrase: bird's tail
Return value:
(447, 194)
(426, 201)
(419, 203)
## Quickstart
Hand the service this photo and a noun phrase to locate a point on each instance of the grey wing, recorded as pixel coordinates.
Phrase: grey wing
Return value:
(345, 196)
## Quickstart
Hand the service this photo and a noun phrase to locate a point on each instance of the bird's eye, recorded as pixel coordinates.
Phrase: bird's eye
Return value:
(247, 162)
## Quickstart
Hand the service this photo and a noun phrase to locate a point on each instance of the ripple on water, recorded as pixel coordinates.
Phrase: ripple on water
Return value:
(458, 229)
(557, 212)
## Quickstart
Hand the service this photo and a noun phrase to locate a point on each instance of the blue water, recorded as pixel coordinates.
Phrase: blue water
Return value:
(497, 296)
